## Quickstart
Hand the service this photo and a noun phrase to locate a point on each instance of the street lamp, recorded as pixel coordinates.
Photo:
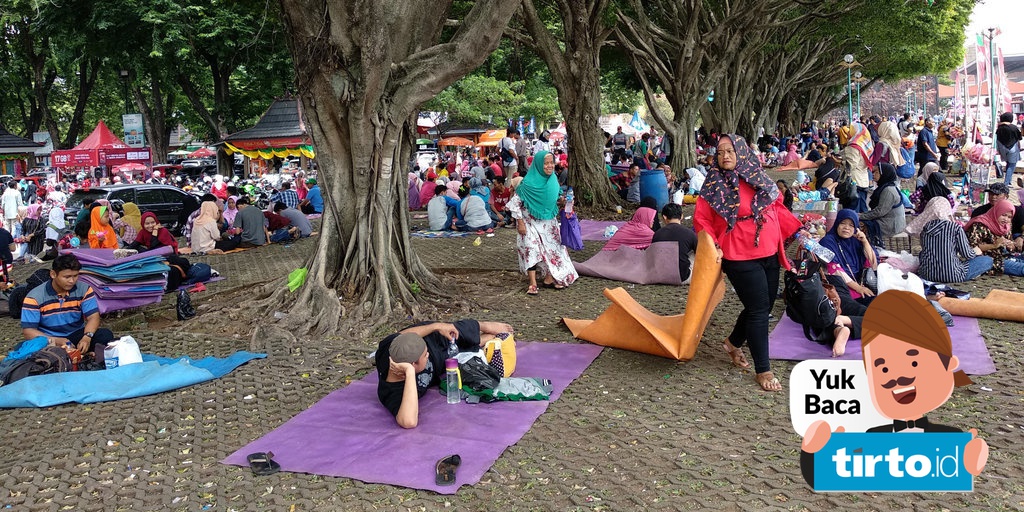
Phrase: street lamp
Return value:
(849, 63)
(859, 79)
(906, 95)
(924, 95)
(124, 74)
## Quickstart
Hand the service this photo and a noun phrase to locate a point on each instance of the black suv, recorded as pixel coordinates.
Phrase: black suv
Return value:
(171, 205)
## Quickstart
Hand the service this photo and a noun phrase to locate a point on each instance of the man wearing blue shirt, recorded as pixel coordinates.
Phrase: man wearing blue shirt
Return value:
(64, 310)
(314, 202)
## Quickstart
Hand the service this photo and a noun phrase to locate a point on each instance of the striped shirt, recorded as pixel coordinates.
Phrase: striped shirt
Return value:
(944, 252)
(58, 315)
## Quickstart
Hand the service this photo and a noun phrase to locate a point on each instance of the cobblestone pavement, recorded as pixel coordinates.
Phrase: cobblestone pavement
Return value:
(634, 432)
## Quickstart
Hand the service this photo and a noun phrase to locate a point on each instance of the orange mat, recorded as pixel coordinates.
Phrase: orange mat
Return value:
(999, 305)
(628, 325)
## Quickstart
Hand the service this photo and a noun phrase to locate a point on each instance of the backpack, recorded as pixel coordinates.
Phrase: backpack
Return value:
(506, 155)
(846, 190)
(18, 294)
(906, 170)
(807, 303)
(43, 361)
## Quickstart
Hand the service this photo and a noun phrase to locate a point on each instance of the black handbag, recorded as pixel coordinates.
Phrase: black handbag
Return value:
(846, 190)
(869, 278)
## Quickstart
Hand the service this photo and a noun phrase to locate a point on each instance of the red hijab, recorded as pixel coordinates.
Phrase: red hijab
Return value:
(990, 219)
(636, 233)
(163, 236)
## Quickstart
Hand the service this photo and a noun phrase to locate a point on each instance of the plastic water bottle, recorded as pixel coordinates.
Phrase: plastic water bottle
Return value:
(823, 253)
(570, 197)
(453, 380)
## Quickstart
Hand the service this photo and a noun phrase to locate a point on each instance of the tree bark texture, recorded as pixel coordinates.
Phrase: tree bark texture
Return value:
(363, 68)
(574, 61)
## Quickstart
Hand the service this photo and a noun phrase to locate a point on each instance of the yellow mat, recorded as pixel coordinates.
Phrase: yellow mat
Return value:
(628, 325)
(999, 305)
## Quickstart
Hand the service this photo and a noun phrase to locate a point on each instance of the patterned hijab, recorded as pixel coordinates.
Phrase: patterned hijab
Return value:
(936, 208)
(861, 139)
(539, 191)
(722, 188)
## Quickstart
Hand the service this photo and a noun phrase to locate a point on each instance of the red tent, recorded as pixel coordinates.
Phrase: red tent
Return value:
(101, 147)
(202, 153)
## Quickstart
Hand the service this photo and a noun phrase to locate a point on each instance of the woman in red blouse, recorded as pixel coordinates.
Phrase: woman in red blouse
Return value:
(742, 210)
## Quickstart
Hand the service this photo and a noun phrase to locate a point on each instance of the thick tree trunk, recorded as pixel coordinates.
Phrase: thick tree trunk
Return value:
(363, 68)
(154, 116)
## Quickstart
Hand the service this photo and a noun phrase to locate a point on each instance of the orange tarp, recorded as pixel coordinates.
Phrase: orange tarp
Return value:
(628, 325)
(491, 138)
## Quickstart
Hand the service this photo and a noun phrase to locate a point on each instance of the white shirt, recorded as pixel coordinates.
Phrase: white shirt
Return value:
(10, 202)
(539, 145)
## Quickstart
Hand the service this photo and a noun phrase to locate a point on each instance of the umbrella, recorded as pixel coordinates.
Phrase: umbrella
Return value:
(180, 152)
(129, 167)
(455, 141)
(202, 153)
(798, 165)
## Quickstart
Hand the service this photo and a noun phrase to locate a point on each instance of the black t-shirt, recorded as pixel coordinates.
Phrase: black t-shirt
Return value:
(1008, 134)
(390, 393)
(5, 246)
(1017, 224)
(687, 241)
(814, 155)
(825, 171)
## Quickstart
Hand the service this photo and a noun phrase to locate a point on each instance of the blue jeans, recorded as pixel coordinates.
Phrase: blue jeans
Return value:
(862, 200)
(757, 284)
(280, 235)
(978, 265)
(1012, 157)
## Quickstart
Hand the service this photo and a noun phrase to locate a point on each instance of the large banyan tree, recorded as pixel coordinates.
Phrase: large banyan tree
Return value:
(363, 68)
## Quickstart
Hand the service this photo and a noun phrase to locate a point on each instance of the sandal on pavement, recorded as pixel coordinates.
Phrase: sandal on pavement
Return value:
(263, 463)
(532, 290)
(768, 382)
(445, 470)
(738, 359)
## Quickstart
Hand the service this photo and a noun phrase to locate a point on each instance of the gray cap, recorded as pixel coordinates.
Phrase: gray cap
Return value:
(407, 348)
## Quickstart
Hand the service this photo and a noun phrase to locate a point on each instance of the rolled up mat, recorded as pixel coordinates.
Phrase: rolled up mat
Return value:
(628, 325)
(999, 305)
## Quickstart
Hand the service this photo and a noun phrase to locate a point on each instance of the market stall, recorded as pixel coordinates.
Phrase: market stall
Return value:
(280, 132)
(16, 153)
(101, 149)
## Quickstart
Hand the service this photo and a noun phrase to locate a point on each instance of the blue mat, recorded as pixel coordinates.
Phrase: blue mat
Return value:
(153, 375)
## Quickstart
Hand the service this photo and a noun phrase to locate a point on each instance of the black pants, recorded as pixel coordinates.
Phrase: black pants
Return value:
(757, 284)
(308, 209)
(228, 244)
(943, 158)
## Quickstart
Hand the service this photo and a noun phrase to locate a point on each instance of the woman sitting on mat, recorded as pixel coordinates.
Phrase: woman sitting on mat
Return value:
(853, 254)
(886, 216)
(946, 253)
(231, 210)
(990, 232)
(931, 183)
(742, 210)
(636, 233)
(538, 245)
(153, 235)
(101, 234)
(207, 237)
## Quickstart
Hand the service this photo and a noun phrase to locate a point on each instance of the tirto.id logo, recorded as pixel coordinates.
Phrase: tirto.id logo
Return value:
(893, 462)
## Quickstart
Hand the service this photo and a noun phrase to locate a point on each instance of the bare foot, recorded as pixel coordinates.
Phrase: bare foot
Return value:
(768, 382)
(736, 355)
(842, 336)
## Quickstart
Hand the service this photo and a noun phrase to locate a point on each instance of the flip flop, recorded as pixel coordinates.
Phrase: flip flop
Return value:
(736, 355)
(532, 291)
(768, 381)
(445, 471)
(263, 463)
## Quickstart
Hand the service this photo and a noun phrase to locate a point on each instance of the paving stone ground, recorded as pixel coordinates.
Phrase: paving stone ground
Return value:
(635, 432)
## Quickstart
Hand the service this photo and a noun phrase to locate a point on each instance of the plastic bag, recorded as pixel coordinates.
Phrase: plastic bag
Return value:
(891, 278)
(477, 375)
(522, 389)
(610, 231)
(122, 352)
(570, 231)
(184, 305)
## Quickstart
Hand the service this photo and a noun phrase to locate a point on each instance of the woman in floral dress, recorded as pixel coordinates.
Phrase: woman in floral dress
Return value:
(535, 209)
(990, 232)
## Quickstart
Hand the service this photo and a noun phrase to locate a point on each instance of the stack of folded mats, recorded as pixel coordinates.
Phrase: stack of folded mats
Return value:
(124, 283)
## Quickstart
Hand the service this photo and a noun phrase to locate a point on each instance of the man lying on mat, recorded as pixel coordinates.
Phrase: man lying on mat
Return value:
(410, 361)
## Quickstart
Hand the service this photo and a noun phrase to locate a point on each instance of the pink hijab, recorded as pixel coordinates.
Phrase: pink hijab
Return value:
(990, 219)
(791, 155)
(636, 233)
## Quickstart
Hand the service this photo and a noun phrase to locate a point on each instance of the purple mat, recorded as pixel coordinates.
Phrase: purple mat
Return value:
(658, 264)
(787, 341)
(593, 230)
(349, 433)
(105, 257)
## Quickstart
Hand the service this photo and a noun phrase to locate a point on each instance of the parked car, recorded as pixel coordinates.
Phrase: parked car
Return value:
(171, 205)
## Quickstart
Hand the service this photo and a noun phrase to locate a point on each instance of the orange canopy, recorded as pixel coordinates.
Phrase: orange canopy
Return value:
(491, 138)
(455, 141)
